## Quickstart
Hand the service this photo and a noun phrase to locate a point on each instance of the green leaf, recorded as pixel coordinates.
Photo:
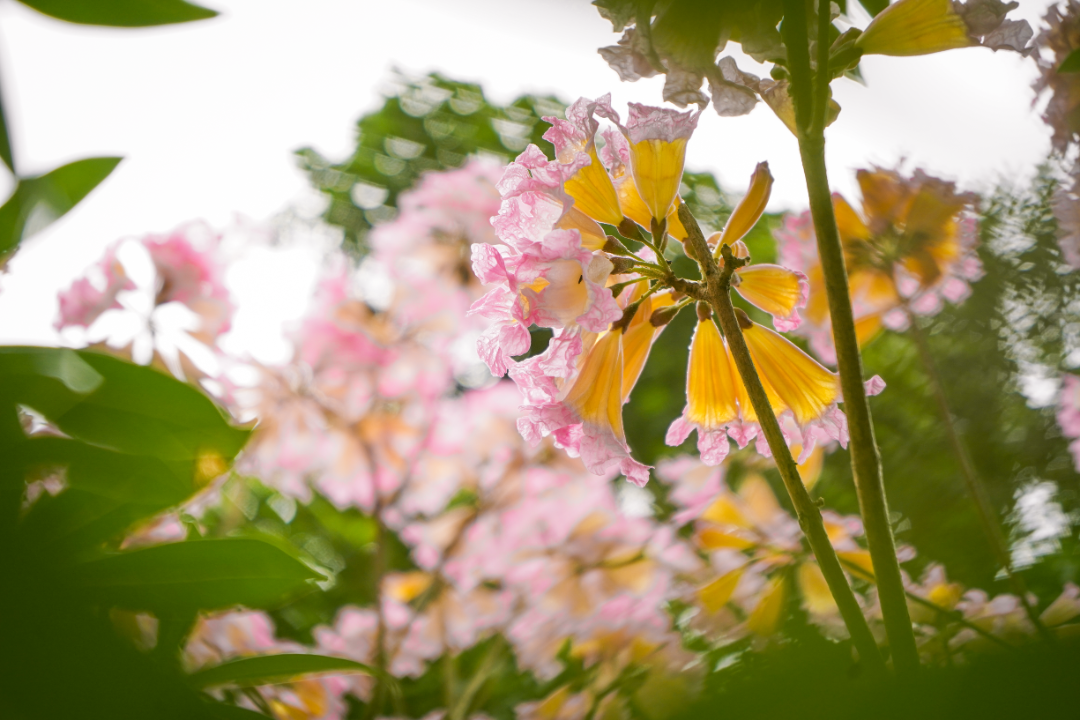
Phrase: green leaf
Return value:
(107, 492)
(202, 574)
(1071, 63)
(121, 13)
(116, 404)
(271, 669)
(39, 201)
(140, 410)
(68, 372)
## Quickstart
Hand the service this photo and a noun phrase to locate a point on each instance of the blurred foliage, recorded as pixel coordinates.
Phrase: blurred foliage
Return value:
(427, 124)
(108, 445)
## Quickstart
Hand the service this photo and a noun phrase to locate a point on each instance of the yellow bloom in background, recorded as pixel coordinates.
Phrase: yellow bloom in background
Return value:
(765, 618)
(911, 244)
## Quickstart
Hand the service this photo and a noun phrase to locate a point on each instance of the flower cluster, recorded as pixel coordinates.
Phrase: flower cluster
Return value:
(911, 248)
(607, 304)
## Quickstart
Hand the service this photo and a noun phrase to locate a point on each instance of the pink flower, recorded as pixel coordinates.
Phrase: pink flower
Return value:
(90, 296)
(192, 276)
(543, 276)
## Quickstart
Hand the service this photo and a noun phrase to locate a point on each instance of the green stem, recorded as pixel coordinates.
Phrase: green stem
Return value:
(718, 288)
(990, 521)
(865, 460)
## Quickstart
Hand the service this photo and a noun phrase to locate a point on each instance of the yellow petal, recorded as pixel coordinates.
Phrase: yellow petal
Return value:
(639, 337)
(810, 470)
(749, 209)
(634, 208)
(637, 576)
(406, 586)
(746, 408)
(765, 618)
(657, 168)
(772, 288)
(915, 27)
(593, 192)
(817, 306)
(725, 511)
(710, 385)
(945, 595)
(716, 594)
(885, 197)
(848, 222)
(713, 539)
(815, 591)
(759, 500)
(867, 328)
(859, 562)
(794, 377)
(597, 393)
(592, 235)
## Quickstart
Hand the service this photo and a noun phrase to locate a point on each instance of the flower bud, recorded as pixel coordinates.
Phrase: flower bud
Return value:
(664, 315)
(750, 208)
(621, 265)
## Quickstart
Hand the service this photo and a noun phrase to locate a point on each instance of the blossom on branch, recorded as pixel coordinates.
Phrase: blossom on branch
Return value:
(912, 247)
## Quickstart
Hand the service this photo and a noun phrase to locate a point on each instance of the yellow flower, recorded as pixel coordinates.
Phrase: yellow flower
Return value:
(657, 138)
(640, 335)
(710, 381)
(657, 167)
(765, 618)
(634, 208)
(792, 379)
(593, 236)
(593, 192)
(597, 395)
(915, 27)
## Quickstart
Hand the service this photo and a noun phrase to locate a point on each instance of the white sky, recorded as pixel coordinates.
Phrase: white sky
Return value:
(207, 116)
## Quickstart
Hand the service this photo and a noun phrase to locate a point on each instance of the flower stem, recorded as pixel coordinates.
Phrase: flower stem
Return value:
(810, 108)
(718, 286)
(990, 521)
